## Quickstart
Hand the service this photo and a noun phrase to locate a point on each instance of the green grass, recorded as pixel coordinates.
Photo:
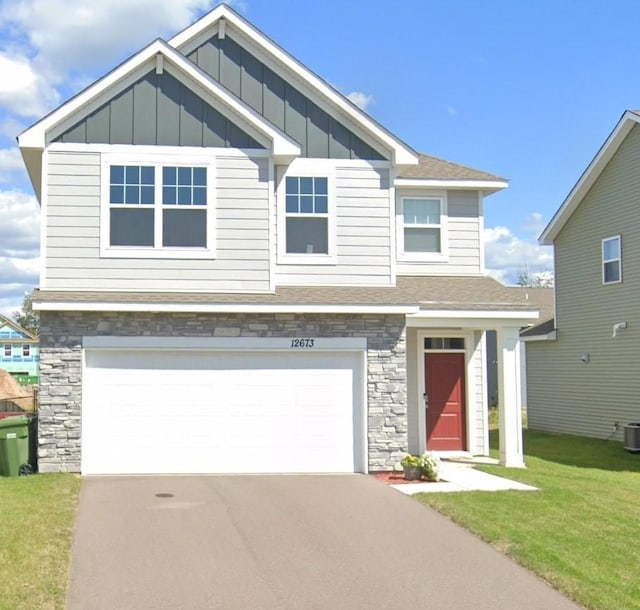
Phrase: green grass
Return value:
(37, 515)
(580, 532)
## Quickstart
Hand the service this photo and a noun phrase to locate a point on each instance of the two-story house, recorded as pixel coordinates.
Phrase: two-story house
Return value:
(19, 351)
(244, 272)
(582, 377)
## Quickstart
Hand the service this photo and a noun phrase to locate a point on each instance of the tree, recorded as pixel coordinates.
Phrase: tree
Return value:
(26, 317)
(539, 279)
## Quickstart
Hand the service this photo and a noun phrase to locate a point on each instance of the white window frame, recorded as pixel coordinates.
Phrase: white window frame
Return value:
(26, 351)
(158, 161)
(439, 257)
(9, 350)
(308, 168)
(617, 259)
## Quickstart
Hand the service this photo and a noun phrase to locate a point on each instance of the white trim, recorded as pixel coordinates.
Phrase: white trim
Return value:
(184, 40)
(618, 259)
(485, 401)
(159, 64)
(160, 151)
(490, 186)
(467, 335)
(44, 218)
(221, 308)
(423, 257)
(315, 168)
(474, 317)
(393, 258)
(284, 148)
(223, 343)
(626, 123)
(158, 162)
(272, 220)
(481, 231)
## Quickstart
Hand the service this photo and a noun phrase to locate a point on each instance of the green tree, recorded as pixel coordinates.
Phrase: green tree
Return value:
(26, 317)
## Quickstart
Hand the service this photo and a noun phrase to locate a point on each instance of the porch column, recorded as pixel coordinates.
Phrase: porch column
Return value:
(509, 405)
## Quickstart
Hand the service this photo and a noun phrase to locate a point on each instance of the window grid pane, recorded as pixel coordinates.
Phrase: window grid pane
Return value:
(185, 186)
(307, 195)
(131, 184)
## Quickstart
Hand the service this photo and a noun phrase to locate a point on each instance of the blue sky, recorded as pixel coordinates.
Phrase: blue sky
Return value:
(525, 90)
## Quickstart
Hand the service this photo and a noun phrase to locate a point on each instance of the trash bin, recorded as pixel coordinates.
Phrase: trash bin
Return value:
(14, 445)
(632, 437)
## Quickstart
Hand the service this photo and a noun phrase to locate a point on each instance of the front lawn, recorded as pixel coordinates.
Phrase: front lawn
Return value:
(37, 515)
(580, 532)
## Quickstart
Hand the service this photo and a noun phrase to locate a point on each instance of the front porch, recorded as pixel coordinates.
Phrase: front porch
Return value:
(447, 406)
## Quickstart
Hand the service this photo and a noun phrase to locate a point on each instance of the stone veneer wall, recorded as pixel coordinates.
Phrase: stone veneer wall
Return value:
(61, 368)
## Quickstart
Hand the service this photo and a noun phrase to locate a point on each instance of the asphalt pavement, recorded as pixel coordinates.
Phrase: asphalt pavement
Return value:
(282, 542)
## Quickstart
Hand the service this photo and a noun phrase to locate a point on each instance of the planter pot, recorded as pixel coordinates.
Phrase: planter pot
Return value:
(412, 473)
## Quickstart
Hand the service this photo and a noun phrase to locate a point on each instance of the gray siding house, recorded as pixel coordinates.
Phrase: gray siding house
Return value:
(581, 368)
(244, 272)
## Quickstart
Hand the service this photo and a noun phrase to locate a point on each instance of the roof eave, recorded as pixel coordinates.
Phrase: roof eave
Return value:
(589, 176)
(402, 154)
(488, 187)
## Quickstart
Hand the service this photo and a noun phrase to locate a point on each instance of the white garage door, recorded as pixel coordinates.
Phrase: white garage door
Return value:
(164, 411)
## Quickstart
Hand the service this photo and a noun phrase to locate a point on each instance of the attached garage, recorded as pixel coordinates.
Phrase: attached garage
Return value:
(156, 406)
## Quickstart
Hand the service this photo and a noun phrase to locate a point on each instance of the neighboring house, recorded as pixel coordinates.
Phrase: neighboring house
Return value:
(19, 351)
(540, 299)
(582, 369)
(244, 272)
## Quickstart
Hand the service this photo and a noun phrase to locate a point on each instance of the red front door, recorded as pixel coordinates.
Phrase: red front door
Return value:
(446, 412)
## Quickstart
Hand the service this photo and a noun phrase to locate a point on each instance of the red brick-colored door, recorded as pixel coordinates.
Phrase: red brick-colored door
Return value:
(446, 409)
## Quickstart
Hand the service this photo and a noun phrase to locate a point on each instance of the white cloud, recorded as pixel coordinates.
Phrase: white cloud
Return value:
(19, 226)
(360, 99)
(19, 248)
(22, 90)
(10, 163)
(534, 223)
(506, 255)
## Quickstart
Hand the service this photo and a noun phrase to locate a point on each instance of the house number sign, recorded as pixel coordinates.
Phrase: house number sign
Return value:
(302, 343)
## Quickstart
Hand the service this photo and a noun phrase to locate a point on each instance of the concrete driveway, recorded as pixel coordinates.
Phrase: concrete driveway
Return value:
(282, 542)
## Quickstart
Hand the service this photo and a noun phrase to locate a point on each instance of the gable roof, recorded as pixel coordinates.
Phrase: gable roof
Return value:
(434, 172)
(224, 17)
(626, 123)
(28, 337)
(161, 56)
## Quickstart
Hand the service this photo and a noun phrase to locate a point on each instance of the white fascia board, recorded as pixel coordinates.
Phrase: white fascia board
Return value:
(222, 308)
(446, 318)
(487, 186)
(283, 147)
(223, 343)
(402, 154)
(589, 176)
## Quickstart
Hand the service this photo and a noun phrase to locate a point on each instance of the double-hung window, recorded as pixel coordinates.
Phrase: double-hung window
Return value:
(421, 231)
(26, 351)
(157, 210)
(8, 350)
(612, 260)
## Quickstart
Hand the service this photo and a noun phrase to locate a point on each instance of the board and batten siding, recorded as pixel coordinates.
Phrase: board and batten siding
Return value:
(241, 203)
(280, 102)
(463, 234)
(563, 393)
(363, 235)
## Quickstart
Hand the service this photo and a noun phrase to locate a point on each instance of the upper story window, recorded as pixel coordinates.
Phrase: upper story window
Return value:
(421, 228)
(8, 351)
(26, 351)
(612, 260)
(307, 215)
(306, 204)
(158, 210)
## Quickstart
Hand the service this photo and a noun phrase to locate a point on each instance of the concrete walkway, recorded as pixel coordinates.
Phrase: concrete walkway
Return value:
(460, 476)
(282, 543)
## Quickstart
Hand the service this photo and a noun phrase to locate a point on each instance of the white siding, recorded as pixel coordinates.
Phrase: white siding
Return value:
(363, 232)
(463, 235)
(73, 239)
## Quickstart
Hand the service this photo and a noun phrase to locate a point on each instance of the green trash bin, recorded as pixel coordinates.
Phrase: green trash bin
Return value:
(14, 444)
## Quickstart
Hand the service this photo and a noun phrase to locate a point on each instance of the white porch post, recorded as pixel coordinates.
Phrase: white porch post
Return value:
(510, 408)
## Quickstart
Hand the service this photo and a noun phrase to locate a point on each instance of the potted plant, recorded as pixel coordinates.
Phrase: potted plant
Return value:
(412, 467)
(430, 466)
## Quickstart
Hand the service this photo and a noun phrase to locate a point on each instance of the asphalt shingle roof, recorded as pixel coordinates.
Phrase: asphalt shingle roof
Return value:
(429, 293)
(433, 168)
